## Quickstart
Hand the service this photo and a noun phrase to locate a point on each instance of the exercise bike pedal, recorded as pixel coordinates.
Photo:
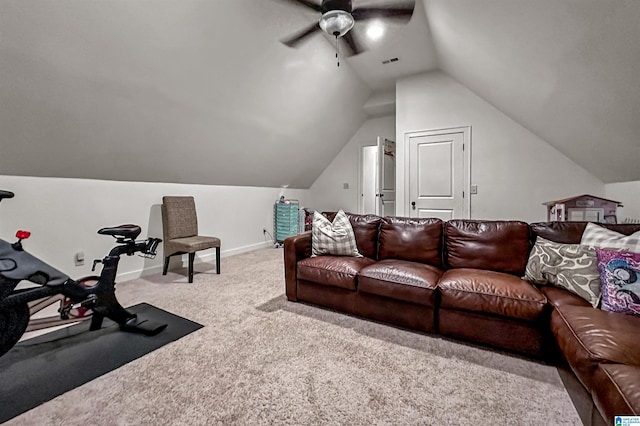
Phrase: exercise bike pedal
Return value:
(68, 306)
(143, 326)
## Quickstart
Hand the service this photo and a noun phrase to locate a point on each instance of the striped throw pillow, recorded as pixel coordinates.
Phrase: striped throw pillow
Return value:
(335, 238)
(603, 238)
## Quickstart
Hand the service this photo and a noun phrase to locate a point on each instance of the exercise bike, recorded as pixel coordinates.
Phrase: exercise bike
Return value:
(89, 297)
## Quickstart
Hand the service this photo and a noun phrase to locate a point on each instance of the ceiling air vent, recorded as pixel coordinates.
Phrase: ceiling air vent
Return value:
(388, 61)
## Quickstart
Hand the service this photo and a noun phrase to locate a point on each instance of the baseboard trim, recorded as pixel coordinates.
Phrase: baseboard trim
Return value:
(207, 257)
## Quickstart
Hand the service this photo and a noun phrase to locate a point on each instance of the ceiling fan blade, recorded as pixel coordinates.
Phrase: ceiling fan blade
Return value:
(307, 3)
(300, 36)
(403, 12)
(354, 47)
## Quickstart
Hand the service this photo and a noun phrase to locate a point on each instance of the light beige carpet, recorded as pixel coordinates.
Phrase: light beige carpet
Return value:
(263, 360)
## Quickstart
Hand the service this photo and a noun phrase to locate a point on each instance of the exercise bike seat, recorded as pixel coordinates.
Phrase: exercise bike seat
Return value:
(124, 231)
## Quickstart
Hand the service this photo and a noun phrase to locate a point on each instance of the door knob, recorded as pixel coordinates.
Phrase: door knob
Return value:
(413, 205)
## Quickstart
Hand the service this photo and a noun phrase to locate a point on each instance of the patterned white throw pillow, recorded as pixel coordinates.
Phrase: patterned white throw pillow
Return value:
(570, 266)
(603, 238)
(335, 238)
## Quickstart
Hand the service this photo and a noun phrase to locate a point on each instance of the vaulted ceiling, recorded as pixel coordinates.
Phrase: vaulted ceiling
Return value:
(198, 91)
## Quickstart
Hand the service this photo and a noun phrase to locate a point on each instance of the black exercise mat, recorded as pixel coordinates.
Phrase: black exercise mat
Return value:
(39, 369)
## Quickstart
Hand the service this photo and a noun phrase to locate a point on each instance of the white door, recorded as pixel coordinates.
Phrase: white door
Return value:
(386, 188)
(438, 174)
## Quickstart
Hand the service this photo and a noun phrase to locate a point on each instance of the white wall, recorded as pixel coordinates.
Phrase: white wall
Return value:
(628, 193)
(64, 215)
(515, 170)
(327, 193)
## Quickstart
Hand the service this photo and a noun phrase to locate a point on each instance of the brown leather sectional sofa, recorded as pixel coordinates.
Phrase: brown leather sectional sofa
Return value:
(462, 279)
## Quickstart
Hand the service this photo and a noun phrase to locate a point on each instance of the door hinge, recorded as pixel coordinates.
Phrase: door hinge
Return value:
(462, 194)
(463, 147)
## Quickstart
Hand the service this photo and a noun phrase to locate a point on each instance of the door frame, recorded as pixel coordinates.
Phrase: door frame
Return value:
(380, 175)
(466, 137)
(361, 145)
(360, 171)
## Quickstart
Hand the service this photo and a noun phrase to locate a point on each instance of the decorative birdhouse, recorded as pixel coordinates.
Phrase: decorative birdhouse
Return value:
(583, 208)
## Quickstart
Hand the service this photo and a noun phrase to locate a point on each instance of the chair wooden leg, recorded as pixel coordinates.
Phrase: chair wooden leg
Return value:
(218, 260)
(166, 265)
(191, 258)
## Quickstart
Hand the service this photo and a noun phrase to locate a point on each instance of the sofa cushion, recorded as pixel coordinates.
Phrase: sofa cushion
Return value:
(337, 271)
(414, 239)
(588, 336)
(560, 297)
(501, 246)
(365, 227)
(490, 292)
(617, 390)
(401, 280)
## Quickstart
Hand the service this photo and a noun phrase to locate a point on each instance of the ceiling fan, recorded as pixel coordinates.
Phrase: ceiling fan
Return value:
(338, 17)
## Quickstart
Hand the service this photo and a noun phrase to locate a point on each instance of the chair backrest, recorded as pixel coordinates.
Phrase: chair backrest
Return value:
(179, 219)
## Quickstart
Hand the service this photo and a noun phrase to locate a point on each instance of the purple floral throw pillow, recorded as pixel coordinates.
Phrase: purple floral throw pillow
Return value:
(620, 276)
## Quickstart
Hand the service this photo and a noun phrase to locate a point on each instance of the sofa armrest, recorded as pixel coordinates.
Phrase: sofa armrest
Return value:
(296, 248)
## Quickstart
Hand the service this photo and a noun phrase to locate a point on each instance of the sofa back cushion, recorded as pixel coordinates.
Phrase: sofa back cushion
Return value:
(418, 240)
(365, 227)
(501, 246)
(571, 232)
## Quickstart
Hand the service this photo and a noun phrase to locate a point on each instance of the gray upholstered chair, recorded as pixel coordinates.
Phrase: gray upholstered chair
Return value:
(180, 229)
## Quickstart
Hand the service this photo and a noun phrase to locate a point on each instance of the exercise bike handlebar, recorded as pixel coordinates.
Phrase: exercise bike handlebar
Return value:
(130, 247)
(5, 194)
(18, 265)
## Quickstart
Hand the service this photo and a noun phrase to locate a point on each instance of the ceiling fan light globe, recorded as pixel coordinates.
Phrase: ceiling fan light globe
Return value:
(336, 22)
(375, 30)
